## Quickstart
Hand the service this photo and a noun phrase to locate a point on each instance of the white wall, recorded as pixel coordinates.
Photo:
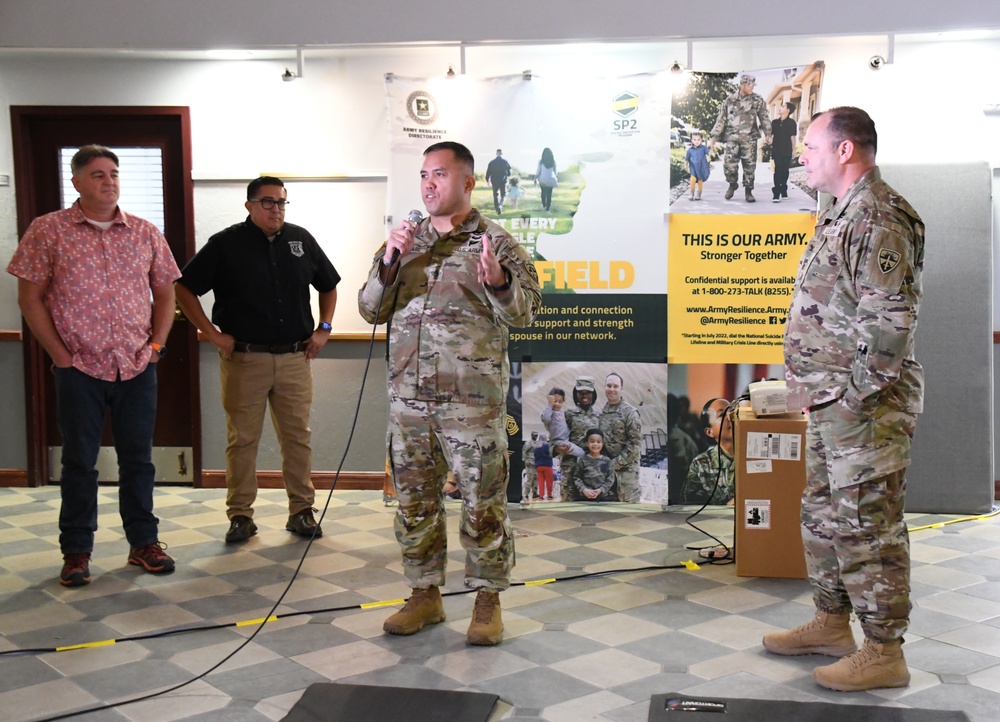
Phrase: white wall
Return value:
(928, 106)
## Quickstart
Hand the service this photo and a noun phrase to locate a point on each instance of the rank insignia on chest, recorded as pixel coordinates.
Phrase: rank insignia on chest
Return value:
(296, 248)
(887, 259)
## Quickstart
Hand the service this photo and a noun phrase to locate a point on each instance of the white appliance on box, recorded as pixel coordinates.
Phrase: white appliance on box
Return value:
(768, 398)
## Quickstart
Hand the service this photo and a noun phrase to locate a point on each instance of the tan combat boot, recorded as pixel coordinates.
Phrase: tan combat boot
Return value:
(828, 634)
(486, 627)
(731, 190)
(423, 607)
(874, 666)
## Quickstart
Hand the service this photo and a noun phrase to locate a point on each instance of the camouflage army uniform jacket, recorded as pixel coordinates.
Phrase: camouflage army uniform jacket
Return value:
(854, 308)
(448, 331)
(702, 476)
(741, 117)
(528, 455)
(580, 421)
(594, 473)
(622, 434)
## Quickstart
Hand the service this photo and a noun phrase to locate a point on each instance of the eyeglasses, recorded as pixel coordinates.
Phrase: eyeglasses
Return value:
(269, 203)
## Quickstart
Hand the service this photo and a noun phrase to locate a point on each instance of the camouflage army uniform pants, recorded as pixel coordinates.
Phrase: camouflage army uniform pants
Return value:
(740, 152)
(567, 490)
(628, 484)
(426, 440)
(529, 482)
(856, 545)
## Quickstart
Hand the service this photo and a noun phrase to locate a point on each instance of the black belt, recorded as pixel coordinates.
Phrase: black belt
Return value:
(820, 407)
(264, 348)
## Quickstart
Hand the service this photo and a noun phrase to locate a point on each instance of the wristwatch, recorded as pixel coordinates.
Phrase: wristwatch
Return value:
(324, 326)
(160, 350)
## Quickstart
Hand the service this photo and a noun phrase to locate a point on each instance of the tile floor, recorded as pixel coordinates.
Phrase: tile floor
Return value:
(594, 648)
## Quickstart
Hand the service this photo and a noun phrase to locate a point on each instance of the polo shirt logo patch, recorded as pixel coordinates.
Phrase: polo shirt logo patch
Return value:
(296, 248)
(887, 260)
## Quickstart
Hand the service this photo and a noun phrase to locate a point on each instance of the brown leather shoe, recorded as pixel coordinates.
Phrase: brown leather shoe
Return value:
(486, 627)
(241, 528)
(422, 608)
(828, 634)
(304, 524)
(875, 666)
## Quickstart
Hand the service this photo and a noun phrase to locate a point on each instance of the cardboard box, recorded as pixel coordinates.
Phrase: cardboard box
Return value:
(770, 479)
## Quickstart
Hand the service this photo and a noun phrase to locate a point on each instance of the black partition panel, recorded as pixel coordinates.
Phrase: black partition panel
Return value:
(952, 469)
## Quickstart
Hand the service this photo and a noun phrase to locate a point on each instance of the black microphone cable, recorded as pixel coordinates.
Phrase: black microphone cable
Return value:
(729, 556)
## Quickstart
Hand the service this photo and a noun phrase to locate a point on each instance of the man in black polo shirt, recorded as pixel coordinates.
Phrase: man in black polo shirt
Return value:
(262, 323)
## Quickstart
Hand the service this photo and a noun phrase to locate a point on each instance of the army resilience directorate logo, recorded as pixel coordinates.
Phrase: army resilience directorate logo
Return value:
(422, 107)
(625, 104)
(887, 260)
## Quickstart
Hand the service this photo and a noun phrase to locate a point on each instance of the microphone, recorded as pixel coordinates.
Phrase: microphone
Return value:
(415, 217)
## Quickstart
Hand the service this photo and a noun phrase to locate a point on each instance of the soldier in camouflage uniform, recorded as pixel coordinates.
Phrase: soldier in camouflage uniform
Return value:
(450, 286)
(580, 420)
(622, 438)
(529, 485)
(742, 120)
(711, 478)
(849, 358)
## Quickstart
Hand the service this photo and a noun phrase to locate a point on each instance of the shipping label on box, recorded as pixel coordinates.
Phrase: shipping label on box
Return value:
(756, 513)
(764, 445)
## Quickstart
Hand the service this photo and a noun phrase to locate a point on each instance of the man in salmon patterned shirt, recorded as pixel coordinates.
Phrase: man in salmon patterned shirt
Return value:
(95, 286)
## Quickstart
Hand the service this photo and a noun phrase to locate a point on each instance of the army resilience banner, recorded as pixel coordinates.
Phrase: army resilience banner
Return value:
(733, 260)
(595, 225)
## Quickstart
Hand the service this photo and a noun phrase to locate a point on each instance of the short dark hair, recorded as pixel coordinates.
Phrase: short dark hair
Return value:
(705, 420)
(556, 391)
(257, 183)
(791, 107)
(853, 124)
(87, 153)
(462, 154)
(591, 432)
(615, 373)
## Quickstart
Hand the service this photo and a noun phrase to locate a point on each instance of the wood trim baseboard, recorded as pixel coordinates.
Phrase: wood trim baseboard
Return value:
(216, 479)
(364, 480)
(13, 477)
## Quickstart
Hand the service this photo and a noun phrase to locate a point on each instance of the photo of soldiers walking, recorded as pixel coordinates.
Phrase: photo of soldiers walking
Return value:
(742, 120)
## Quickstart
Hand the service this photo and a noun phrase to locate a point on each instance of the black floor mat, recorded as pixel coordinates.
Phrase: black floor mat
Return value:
(331, 702)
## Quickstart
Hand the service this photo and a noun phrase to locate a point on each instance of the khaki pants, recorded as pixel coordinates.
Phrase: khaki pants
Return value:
(250, 383)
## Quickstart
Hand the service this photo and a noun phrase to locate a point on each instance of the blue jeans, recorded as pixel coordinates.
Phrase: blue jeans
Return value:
(81, 404)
